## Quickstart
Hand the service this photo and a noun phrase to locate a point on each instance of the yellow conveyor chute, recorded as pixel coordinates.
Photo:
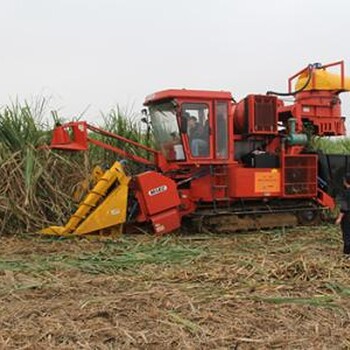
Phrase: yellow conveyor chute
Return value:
(104, 207)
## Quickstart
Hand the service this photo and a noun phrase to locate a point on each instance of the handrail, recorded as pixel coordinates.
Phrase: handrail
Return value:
(323, 66)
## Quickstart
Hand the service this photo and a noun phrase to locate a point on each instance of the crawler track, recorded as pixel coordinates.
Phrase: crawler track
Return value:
(227, 220)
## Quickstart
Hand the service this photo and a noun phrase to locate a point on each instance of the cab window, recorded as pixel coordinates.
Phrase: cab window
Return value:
(221, 133)
(166, 131)
(197, 117)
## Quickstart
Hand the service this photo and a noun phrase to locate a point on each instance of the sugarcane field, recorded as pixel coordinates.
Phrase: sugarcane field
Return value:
(174, 175)
(270, 288)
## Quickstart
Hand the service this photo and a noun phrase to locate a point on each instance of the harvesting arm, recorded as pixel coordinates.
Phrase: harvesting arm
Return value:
(76, 136)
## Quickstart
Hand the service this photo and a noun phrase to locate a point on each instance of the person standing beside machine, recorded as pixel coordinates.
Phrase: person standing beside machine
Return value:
(343, 218)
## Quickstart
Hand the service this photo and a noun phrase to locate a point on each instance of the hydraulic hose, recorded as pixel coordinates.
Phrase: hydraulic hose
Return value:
(310, 70)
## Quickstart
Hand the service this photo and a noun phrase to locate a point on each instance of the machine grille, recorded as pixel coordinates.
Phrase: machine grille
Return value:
(265, 120)
(300, 176)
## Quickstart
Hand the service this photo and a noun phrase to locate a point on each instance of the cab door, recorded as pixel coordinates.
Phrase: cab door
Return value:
(221, 130)
(198, 138)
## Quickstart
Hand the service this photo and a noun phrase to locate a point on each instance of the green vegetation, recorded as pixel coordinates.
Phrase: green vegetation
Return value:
(331, 145)
(127, 254)
(36, 185)
(123, 124)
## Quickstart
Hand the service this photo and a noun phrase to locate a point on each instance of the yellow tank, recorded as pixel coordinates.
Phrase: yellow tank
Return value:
(323, 80)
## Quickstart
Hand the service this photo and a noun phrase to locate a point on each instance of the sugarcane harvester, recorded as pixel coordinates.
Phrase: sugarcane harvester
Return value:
(219, 165)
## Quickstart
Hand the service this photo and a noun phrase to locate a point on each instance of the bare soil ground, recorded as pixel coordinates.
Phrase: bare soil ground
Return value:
(272, 290)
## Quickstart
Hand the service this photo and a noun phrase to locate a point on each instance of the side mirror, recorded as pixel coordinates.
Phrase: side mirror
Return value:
(183, 126)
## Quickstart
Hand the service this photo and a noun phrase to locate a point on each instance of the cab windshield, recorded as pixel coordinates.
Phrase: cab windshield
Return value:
(166, 131)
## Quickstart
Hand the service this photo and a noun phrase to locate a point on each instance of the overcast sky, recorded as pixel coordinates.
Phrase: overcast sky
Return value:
(100, 53)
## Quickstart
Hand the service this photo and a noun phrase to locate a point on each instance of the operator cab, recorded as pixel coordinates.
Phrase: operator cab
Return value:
(191, 125)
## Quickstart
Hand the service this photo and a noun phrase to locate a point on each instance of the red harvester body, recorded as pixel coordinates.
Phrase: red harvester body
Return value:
(225, 165)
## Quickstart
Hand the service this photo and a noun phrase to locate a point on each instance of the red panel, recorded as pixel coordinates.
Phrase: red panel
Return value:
(325, 199)
(257, 114)
(166, 222)
(70, 137)
(300, 176)
(254, 182)
(265, 115)
(323, 109)
(156, 193)
(201, 189)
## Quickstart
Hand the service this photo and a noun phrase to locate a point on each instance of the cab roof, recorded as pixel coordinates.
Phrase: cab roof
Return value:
(184, 93)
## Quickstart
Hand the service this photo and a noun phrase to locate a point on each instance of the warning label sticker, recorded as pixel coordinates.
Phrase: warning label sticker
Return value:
(268, 181)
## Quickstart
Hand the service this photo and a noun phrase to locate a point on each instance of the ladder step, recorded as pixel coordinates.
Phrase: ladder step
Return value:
(220, 184)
